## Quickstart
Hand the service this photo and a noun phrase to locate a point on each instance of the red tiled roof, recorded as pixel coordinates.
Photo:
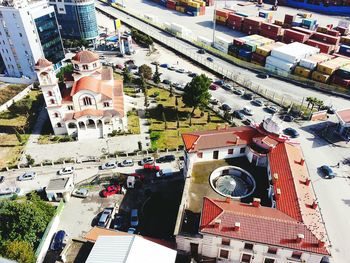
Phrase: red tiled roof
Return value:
(65, 94)
(92, 84)
(257, 224)
(85, 56)
(118, 97)
(288, 200)
(202, 140)
(88, 112)
(43, 63)
(344, 115)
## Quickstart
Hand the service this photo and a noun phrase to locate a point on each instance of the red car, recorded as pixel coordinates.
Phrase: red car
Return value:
(213, 87)
(140, 176)
(111, 190)
(151, 167)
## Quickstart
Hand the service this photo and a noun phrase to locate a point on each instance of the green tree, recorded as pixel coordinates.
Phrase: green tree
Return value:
(20, 251)
(65, 69)
(156, 75)
(127, 76)
(145, 71)
(209, 118)
(196, 93)
(18, 136)
(319, 104)
(142, 83)
(146, 100)
(30, 160)
(311, 101)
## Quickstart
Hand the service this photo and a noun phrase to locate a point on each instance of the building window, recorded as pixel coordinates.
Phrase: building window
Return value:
(20, 34)
(200, 154)
(296, 255)
(224, 253)
(242, 150)
(269, 260)
(61, 9)
(215, 155)
(106, 104)
(225, 241)
(76, 66)
(85, 67)
(52, 101)
(56, 115)
(70, 107)
(248, 246)
(246, 258)
(87, 101)
(272, 250)
(230, 151)
(59, 125)
(94, 65)
(49, 93)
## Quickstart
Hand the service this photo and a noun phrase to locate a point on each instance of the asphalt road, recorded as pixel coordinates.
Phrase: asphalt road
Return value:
(282, 88)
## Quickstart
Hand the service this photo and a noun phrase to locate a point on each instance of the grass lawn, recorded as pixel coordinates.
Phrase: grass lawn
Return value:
(201, 171)
(133, 122)
(162, 138)
(9, 91)
(130, 91)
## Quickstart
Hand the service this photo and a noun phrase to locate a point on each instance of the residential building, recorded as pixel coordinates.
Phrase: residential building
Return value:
(251, 190)
(76, 18)
(28, 31)
(344, 123)
(90, 104)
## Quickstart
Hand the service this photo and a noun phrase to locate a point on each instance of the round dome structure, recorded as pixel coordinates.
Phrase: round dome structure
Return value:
(232, 181)
(270, 125)
(43, 63)
(86, 56)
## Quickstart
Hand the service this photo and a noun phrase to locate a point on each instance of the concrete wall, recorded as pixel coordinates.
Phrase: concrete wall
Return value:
(11, 80)
(210, 246)
(16, 98)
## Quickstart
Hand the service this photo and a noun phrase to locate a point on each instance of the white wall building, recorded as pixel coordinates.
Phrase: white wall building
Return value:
(290, 230)
(89, 106)
(28, 31)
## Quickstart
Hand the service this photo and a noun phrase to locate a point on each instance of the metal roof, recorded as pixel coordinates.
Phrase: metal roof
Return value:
(57, 183)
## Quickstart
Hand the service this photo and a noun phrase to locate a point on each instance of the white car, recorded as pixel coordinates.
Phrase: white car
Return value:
(147, 160)
(127, 162)
(66, 170)
(27, 176)
(248, 111)
(272, 109)
(109, 165)
(81, 192)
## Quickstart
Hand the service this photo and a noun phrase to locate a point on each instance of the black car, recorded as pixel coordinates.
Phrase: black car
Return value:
(291, 132)
(210, 59)
(239, 115)
(166, 159)
(166, 81)
(225, 107)
(201, 51)
(118, 222)
(262, 76)
(288, 118)
(58, 240)
(248, 96)
(192, 75)
(2, 178)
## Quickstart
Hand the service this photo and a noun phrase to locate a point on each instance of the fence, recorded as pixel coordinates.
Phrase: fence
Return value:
(177, 44)
(16, 98)
(48, 234)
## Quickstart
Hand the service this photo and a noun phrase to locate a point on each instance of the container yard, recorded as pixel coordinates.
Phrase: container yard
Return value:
(189, 7)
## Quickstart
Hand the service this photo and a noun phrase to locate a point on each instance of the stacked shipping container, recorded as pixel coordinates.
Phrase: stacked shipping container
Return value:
(190, 7)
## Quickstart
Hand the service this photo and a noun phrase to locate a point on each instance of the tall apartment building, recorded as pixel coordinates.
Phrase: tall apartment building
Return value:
(76, 18)
(28, 32)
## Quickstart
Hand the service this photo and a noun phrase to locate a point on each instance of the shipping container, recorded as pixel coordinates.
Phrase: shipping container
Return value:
(222, 12)
(294, 52)
(205, 41)
(343, 72)
(345, 83)
(333, 32)
(322, 29)
(245, 55)
(233, 50)
(294, 36)
(278, 22)
(259, 58)
(279, 63)
(303, 72)
(345, 40)
(324, 48)
(344, 50)
(271, 27)
(312, 61)
(342, 30)
(303, 30)
(266, 50)
(289, 19)
(318, 76)
(325, 38)
(330, 66)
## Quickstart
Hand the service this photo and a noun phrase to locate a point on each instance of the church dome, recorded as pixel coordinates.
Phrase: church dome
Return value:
(85, 56)
(43, 63)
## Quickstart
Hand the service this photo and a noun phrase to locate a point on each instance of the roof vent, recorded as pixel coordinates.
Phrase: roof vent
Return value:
(275, 176)
(228, 200)
(217, 223)
(256, 202)
(321, 243)
(237, 226)
(300, 238)
(278, 193)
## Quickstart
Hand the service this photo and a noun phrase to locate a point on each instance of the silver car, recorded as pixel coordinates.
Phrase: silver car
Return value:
(81, 192)
(127, 162)
(66, 170)
(27, 176)
(109, 165)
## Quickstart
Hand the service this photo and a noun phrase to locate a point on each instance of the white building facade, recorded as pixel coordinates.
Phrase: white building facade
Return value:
(28, 31)
(89, 106)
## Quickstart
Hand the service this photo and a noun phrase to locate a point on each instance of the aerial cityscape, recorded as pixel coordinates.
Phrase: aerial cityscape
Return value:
(174, 131)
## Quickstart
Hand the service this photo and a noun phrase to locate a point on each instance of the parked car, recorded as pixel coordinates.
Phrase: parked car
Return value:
(104, 218)
(263, 75)
(151, 167)
(213, 86)
(239, 92)
(134, 218)
(239, 115)
(214, 101)
(166, 159)
(180, 70)
(248, 111)
(109, 165)
(192, 75)
(210, 59)
(327, 172)
(2, 179)
(219, 82)
(164, 173)
(118, 222)
(331, 110)
(227, 86)
(111, 190)
(248, 121)
(248, 96)
(27, 176)
(166, 81)
(164, 65)
(258, 102)
(66, 170)
(58, 240)
(288, 118)
(291, 132)
(131, 230)
(126, 163)
(81, 192)
(225, 107)
(172, 68)
(272, 109)
(201, 51)
(147, 160)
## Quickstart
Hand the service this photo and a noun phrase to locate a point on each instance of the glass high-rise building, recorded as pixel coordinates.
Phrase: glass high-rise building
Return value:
(76, 18)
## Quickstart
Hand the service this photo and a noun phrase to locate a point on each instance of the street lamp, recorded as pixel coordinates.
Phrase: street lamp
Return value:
(107, 141)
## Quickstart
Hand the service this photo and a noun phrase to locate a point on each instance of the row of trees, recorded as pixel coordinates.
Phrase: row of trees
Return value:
(141, 38)
(314, 102)
(75, 43)
(22, 226)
